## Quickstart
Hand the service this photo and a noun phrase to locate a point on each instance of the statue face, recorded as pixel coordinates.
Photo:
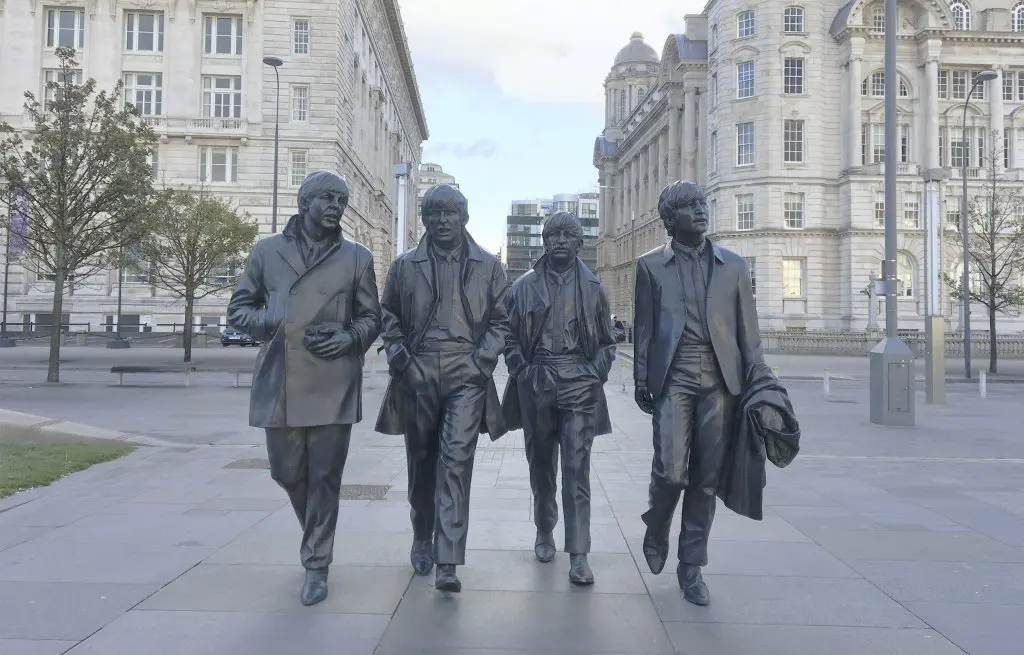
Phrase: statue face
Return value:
(562, 245)
(445, 227)
(325, 206)
(688, 217)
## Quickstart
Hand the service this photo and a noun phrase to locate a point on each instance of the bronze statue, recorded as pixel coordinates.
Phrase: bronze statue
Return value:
(697, 346)
(444, 326)
(559, 353)
(311, 296)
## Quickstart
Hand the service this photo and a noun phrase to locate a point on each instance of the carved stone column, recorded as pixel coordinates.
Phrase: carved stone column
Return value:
(688, 140)
(995, 109)
(853, 112)
(674, 138)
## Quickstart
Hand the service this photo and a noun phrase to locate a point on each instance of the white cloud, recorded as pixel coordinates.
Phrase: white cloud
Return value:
(537, 50)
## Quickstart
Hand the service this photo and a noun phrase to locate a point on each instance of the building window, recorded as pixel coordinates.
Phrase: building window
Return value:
(144, 31)
(145, 91)
(943, 83)
(300, 103)
(65, 28)
(1018, 17)
(793, 272)
(793, 20)
(880, 208)
(300, 36)
(752, 267)
(713, 153)
(911, 210)
(904, 275)
(56, 77)
(878, 18)
(877, 143)
(793, 210)
(218, 164)
(222, 35)
(298, 164)
(793, 80)
(745, 79)
(714, 38)
(958, 149)
(904, 132)
(959, 85)
(961, 15)
(793, 141)
(745, 25)
(222, 97)
(745, 144)
(953, 211)
(745, 211)
(714, 90)
(1006, 146)
(875, 86)
(153, 159)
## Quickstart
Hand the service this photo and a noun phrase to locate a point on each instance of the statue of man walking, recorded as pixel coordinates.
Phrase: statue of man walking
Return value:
(697, 344)
(311, 296)
(559, 353)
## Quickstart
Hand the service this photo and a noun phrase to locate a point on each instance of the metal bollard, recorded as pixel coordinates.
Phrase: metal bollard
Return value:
(827, 382)
(983, 384)
(622, 376)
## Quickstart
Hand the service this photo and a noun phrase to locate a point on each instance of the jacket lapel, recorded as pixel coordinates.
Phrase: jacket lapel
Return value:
(719, 283)
(290, 252)
(421, 259)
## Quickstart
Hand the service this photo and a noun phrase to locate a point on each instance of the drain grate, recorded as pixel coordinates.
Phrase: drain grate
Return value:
(248, 464)
(364, 491)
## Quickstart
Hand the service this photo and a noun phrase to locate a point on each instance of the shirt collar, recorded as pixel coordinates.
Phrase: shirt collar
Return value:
(562, 279)
(448, 255)
(686, 251)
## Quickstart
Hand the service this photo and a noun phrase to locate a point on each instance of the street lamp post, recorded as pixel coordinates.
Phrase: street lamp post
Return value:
(275, 63)
(119, 342)
(5, 341)
(965, 279)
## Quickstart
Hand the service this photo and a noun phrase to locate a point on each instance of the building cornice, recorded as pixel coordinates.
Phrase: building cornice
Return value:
(394, 16)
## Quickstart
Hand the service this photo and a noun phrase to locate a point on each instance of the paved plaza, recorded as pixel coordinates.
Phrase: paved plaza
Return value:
(875, 540)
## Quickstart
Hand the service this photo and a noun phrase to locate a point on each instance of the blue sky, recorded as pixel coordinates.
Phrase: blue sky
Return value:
(513, 91)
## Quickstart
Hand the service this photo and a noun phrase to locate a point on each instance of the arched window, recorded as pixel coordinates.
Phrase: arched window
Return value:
(961, 15)
(1018, 17)
(714, 37)
(975, 277)
(874, 86)
(905, 275)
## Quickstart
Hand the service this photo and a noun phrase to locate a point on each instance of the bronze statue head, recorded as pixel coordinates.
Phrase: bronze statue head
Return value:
(445, 214)
(323, 198)
(683, 210)
(563, 239)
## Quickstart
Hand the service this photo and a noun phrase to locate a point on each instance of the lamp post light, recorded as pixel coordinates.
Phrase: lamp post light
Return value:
(275, 63)
(965, 279)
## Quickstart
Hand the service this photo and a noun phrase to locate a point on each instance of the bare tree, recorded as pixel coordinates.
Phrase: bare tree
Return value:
(82, 178)
(193, 243)
(995, 229)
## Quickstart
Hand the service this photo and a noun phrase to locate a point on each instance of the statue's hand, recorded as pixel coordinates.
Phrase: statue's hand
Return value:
(328, 341)
(644, 400)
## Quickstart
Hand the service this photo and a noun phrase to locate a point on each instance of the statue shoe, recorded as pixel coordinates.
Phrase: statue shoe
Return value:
(314, 589)
(692, 583)
(446, 580)
(422, 556)
(655, 551)
(544, 547)
(579, 570)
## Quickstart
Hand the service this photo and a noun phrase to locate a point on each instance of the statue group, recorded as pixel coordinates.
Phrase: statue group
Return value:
(446, 316)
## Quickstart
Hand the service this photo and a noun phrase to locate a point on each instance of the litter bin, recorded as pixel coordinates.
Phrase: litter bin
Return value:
(80, 338)
(201, 340)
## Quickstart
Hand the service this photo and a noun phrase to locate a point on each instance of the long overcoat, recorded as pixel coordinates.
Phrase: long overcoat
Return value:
(529, 308)
(277, 297)
(408, 305)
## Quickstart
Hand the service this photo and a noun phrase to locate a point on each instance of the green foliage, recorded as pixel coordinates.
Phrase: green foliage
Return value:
(83, 172)
(192, 240)
(29, 465)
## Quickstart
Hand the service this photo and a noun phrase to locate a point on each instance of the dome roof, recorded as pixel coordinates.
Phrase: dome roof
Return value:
(636, 52)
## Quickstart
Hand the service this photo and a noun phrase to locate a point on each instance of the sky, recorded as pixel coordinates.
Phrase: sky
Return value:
(513, 91)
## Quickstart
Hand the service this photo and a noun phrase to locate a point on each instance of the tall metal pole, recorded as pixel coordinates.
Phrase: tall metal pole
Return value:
(965, 223)
(275, 63)
(119, 342)
(632, 275)
(277, 143)
(4, 341)
(892, 362)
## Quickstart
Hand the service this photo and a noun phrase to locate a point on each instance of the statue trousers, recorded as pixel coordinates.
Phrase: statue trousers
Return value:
(442, 423)
(559, 401)
(693, 425)
(307, 463)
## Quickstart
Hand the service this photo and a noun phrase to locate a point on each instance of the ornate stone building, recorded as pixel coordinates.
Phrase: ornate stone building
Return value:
(348, 102)
(788, 102)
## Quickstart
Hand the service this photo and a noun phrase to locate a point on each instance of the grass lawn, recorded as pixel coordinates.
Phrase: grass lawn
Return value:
(27, 465)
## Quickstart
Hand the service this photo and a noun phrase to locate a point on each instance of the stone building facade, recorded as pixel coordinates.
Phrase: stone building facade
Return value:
(348, 102)
(788, 104)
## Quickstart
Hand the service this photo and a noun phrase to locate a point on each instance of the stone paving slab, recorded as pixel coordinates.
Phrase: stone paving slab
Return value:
(874, 541)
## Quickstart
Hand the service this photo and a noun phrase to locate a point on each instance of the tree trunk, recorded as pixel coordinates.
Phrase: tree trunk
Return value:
(993, 350)
(189, 301)
(53, 368)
